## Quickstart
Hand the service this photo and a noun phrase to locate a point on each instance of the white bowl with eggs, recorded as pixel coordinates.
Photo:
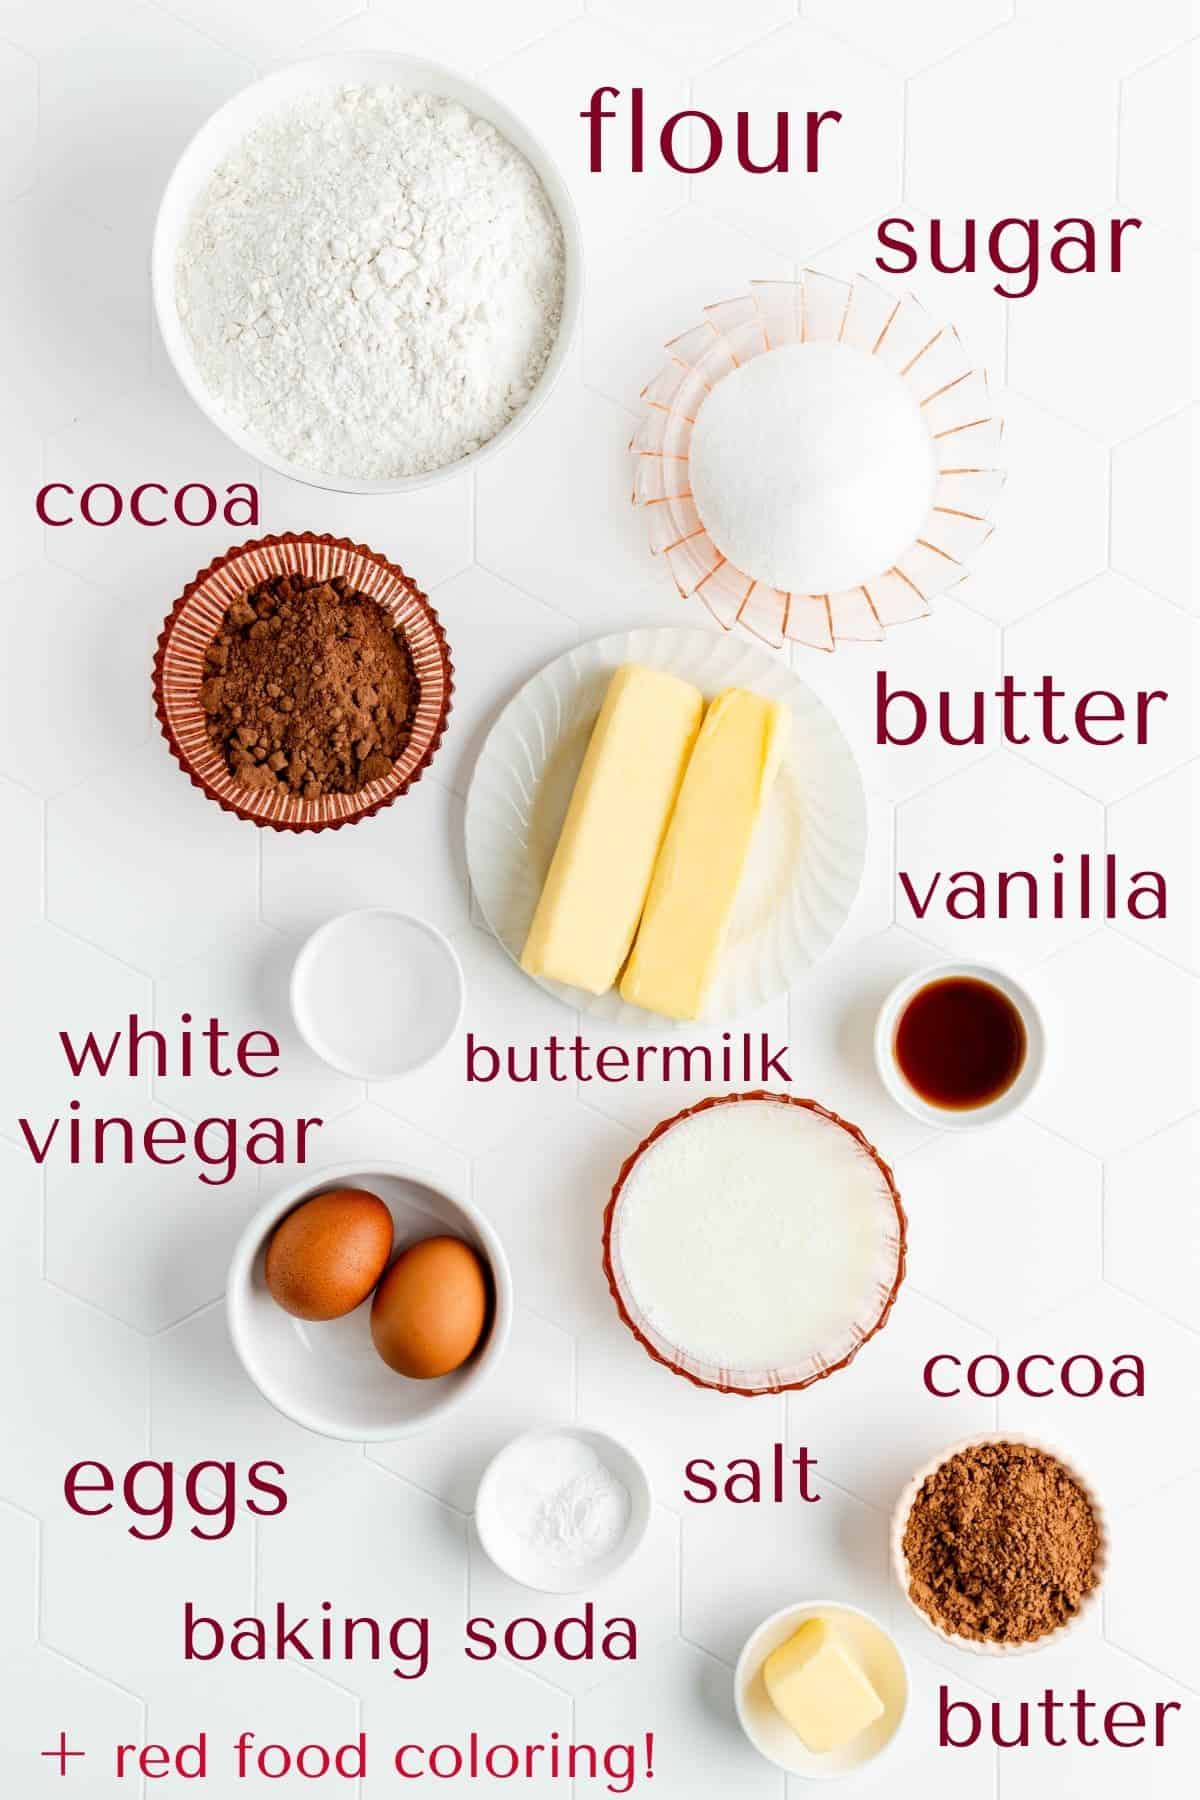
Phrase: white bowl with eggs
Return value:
(232, 123)
(328, 1375)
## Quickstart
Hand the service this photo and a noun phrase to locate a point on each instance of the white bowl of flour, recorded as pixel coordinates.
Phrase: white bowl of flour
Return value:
(366, 272)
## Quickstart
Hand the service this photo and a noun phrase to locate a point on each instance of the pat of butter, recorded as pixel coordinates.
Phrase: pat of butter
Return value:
(819, 1689)
(598, 880)
(695, 884)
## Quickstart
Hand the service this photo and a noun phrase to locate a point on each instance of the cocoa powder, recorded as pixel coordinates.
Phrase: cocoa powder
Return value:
(309, 687)
(1001, 1544)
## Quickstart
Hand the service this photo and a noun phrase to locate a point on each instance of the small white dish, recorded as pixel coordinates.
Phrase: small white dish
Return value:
(900, 1561)
(542, 1577)
(377, 994)
(960, 1118)
(230, 124)
(329, 1377)
(773, 1738)
(806, 860)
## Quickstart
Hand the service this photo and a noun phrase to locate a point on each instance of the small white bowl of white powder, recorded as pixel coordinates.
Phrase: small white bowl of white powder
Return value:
(366, 272)
(561, 1511)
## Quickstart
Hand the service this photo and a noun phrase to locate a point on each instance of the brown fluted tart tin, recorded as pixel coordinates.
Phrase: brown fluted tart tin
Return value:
(192, 623)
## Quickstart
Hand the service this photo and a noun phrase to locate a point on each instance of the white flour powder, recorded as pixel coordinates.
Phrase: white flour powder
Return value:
(373, 281)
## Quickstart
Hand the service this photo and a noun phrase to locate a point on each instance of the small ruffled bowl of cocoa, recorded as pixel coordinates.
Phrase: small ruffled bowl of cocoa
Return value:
(303, 682)
(1000, 1545)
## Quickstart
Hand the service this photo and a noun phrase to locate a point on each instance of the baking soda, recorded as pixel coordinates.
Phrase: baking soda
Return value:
(372, 282)
(556, 1506)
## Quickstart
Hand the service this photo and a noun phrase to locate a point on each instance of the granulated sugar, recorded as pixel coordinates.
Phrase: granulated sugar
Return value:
(372, 281)
(811, 467)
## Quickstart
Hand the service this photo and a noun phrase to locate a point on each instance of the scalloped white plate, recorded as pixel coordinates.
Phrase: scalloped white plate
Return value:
(804, 866)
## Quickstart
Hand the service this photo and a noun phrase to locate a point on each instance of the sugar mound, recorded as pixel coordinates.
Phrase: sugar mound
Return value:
(811, 467)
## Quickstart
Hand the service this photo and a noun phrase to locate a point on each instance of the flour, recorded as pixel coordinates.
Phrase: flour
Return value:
(372, 281)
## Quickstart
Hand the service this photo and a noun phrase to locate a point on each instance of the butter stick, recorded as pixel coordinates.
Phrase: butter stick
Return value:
(817, 1686)
(696, 879)
(597, 883)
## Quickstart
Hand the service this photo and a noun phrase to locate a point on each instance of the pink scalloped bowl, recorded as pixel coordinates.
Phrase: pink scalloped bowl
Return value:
(192, 623)
(749, 1382)
(962, 424)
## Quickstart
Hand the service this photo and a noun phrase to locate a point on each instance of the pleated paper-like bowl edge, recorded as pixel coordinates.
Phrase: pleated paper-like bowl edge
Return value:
(768, 1386)
(282, 812)
(904, 1506)
(964, 432)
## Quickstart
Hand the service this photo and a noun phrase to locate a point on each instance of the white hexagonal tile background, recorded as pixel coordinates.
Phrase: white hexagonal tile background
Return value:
(1147, 1187)
(1051, 520)
(403, 1545)
(1148, 1560)
(959, 114)
(534, 1388)
(584, 54)
(1086, 1094)
(1152, 180)
(147, 864)
(1144, 831)
(959, 656)
(1056, 351)
(42, 1690)
(1116, 1436)
(1113, 638)
(19, 1573)
(78, 343)
(505, 1703)
(886, 1383)
(131, 1240)
(21, 824)
(1117, 39)
(1069, 1230)
(645, 1589)
(18, 132)
(150, 432)
(797, 71)
(102, 689)
(976, 861)
(683, 1695)
(1048, 1193)
(1154, 533)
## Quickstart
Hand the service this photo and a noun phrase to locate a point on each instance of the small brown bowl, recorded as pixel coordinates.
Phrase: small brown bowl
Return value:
(192, 623)
(818, 1365)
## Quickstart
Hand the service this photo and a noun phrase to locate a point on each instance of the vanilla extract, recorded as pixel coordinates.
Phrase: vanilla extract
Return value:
(1087, 887)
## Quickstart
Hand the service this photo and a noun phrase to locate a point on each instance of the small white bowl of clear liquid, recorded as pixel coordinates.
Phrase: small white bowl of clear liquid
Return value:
(377, 994)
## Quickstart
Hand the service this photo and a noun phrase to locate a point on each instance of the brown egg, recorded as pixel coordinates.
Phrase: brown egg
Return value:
(430, 1308)
(326, 1256)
